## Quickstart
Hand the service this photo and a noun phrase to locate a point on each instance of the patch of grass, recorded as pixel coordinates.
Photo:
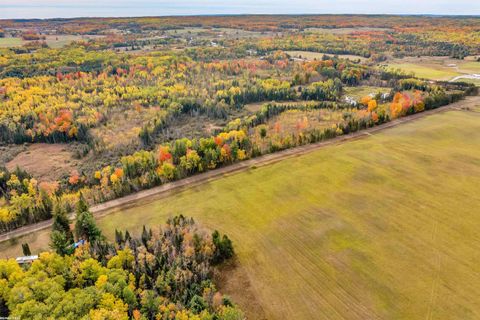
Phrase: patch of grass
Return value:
(473, 81)
(346, 30)
(470, 67)
(257, 106)
(53, 41)
(383, 227)
(362, 91)
(61, 40)
(427, 72)
(312, 55)
(10, 42)
(436, 68)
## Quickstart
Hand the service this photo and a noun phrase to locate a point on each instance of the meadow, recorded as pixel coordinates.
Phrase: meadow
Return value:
(312, 55)
(436, 68)
(53, 41)
(383, 227)
(10, 42)
(358, 92)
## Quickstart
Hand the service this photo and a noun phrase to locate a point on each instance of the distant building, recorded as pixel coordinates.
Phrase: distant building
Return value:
(26, 259)
(78, 244)
(351, 101)
(298, 59)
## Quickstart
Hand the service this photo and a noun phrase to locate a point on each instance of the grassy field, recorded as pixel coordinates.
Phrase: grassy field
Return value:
(345, 30)
(426, 71)
(53, 41)
(384, 227)
(10, 42)
(312, 55)
(362, 91)
(60, 41)
(208, 33)
(436, 68)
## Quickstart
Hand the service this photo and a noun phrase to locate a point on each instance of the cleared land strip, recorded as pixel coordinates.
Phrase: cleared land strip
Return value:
(241, 166)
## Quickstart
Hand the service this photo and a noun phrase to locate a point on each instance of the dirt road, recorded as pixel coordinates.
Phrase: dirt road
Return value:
(242, 166)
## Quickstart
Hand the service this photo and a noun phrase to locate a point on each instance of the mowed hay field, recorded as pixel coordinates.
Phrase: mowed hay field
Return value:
(10, 42)
(385, 227)
(434, 72)
(313, 55)
(437, 68)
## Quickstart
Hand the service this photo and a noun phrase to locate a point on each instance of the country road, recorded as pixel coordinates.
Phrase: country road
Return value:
(242, 166)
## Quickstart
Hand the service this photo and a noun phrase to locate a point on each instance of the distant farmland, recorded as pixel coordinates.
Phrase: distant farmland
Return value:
(384, 227)
(438, 68)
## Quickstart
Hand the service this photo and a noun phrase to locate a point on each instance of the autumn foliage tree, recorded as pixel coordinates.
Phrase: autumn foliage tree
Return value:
(165, 274)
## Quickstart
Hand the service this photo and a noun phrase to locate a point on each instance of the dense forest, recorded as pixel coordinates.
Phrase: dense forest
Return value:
(166, 273)
(374, 35)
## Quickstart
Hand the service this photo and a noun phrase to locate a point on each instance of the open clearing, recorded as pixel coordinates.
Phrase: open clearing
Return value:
(312, 55)
(347, 30)
(60, 41)
(257, 106)
(10, 42)
(384, 227)
(436, 68)
(53, 41)
(46, 162)
(358, 92)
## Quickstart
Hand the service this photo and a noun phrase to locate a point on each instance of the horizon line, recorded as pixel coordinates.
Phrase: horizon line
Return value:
(436, 15)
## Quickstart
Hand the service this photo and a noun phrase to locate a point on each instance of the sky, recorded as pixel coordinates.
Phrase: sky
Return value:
(10, 9)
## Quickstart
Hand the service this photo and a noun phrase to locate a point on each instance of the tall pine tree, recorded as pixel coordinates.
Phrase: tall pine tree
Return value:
(61, 222)
(85, 226)
(61, 238)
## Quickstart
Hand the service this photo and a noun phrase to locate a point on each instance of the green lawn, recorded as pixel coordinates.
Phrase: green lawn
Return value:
(385, 227)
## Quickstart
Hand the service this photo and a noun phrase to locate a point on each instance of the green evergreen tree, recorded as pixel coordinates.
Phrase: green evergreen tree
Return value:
(223, 248)
(146, 236)
(26, 249)
(127, 236)
(85, 226)
(61, 238)
(82, 204)
(60, 243)
(119, 237)
(61, 222)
